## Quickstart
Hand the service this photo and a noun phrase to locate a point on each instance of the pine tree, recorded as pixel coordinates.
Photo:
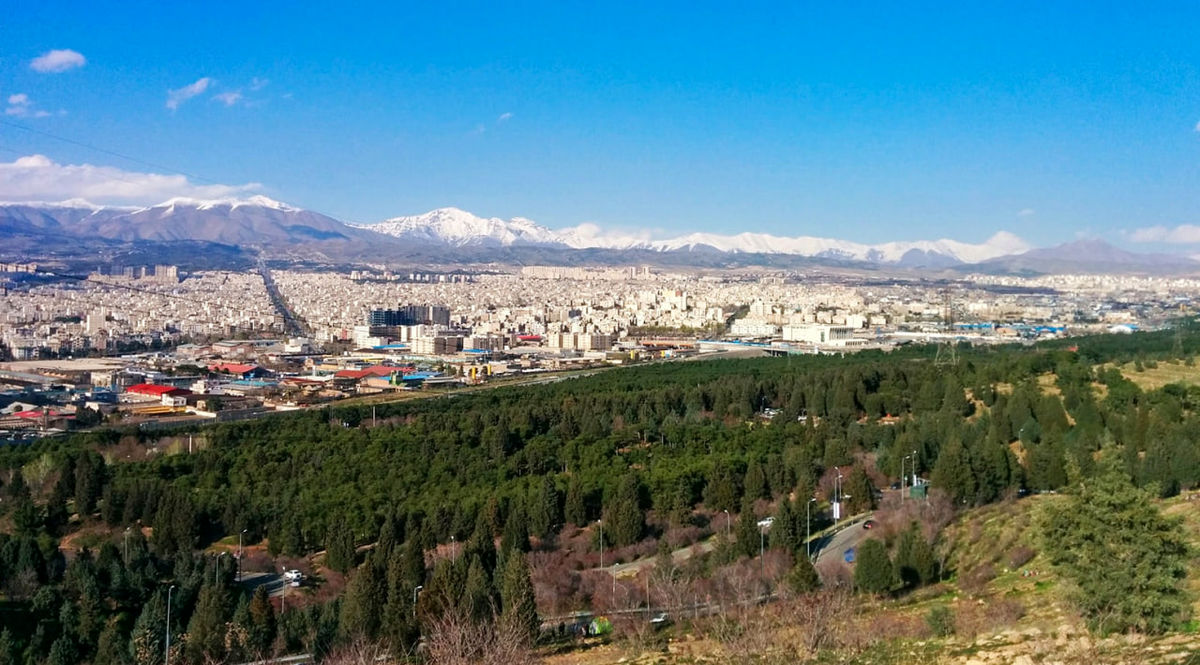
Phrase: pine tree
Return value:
(477, 595)
(516, 531)
(206, 630)
(575, 510)
(873, 571)
(915, 561)
(626, 522)
(544, 513)
(783, 529)
(747, 531)
(89, 481)
(755, 482)
(260, 632)
(952, 472)
(109, 648)
(397, 624)
(363, 603)
(519, 608)
(339, 547)
(860, 491)
(63, 652)
(146, 642)
(803, 576)
(8, 648)
(1126, 560)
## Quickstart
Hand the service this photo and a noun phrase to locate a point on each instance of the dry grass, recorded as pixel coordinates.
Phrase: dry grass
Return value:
(1165, 373)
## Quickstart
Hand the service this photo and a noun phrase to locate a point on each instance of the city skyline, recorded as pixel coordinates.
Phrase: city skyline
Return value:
(1049, 123)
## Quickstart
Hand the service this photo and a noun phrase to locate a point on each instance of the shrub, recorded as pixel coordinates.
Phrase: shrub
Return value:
(940, 620)
(1020, 555)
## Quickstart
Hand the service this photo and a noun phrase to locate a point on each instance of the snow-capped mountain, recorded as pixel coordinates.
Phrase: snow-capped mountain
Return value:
(257, 221)
(458, 228)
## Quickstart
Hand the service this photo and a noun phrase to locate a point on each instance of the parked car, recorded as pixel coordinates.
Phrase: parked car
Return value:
(869, 524)
(848, 555)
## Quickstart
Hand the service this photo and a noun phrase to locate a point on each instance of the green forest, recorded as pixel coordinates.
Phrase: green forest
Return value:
(645, 451)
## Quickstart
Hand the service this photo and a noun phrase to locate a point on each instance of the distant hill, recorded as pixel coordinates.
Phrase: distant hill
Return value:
(1090, 255)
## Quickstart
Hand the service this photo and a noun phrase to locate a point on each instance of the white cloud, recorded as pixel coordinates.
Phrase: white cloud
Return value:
(38, 178)
(258, 84)
(1026, 212)
(20, 105)
(58, 60)
(504, 117)
(229, 98)
(1184, 234)
(1198, 126)
(180, 95)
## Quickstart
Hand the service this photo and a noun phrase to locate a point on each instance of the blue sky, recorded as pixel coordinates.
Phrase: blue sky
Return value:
(868, 121)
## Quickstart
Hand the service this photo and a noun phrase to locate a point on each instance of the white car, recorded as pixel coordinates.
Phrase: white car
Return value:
(293, 576)
(766, 522)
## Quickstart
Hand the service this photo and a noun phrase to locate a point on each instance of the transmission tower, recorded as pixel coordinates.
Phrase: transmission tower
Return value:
(947, 351)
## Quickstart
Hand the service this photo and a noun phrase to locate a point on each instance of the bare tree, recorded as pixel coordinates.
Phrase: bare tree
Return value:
(454, 638)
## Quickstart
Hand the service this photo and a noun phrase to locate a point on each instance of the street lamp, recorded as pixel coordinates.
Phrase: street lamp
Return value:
(808, 526)
(168, 654)
(416, 590)
(902, 459)
(126, 546)
(239, 556)
(837, 495)
(728, 525)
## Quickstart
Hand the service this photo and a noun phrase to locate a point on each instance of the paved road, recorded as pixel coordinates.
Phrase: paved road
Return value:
(837, 544)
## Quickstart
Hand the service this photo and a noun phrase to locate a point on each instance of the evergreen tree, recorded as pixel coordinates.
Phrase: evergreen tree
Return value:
(109, 649)
(755, 482)
(397, 626)
(747, 531)
(575, 510)
(783, 529)
(915, 561)
(260, 629)
(63, 652)
(89, 481)
(206, 630)
(952, 472)
(544, 512)
(146, 642)
(516, 531)
(859, 489)
(803, 577)
(8, 648)
(339, 548)
(519, 608)
(363, 603)
(873, 572)
(626, 522)
(1126, 560)
(477, 595)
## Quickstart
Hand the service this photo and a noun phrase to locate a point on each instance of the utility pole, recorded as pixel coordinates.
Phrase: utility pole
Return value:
(168, 652)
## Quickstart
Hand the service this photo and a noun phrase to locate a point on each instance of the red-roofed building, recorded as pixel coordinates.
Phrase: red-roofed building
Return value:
(150, 392)
(367, 372)
(240, 370)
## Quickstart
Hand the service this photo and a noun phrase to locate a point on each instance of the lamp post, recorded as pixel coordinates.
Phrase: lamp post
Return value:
(416, 590)
(914, 469)
(239, 556)
(837, 495)
(168, 650)
(808, 527)
(126, 546)
(902, 459)
(728, 525)
(762, 540)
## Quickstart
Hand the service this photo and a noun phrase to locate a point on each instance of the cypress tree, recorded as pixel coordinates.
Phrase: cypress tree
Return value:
(873, 571)
(626, 520)
(803, 576)
(477, 594)
(952, 472)
(363, 603)
(544, 512)
(206, 630)
(260, 632)
(783, 533)
(747, 531)
(519, 608)
(575, 510)
(755, 483)
(145, 644)
(339, 547)
(516, 531)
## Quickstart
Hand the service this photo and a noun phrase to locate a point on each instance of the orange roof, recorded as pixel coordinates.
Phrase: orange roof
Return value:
(232, 368)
